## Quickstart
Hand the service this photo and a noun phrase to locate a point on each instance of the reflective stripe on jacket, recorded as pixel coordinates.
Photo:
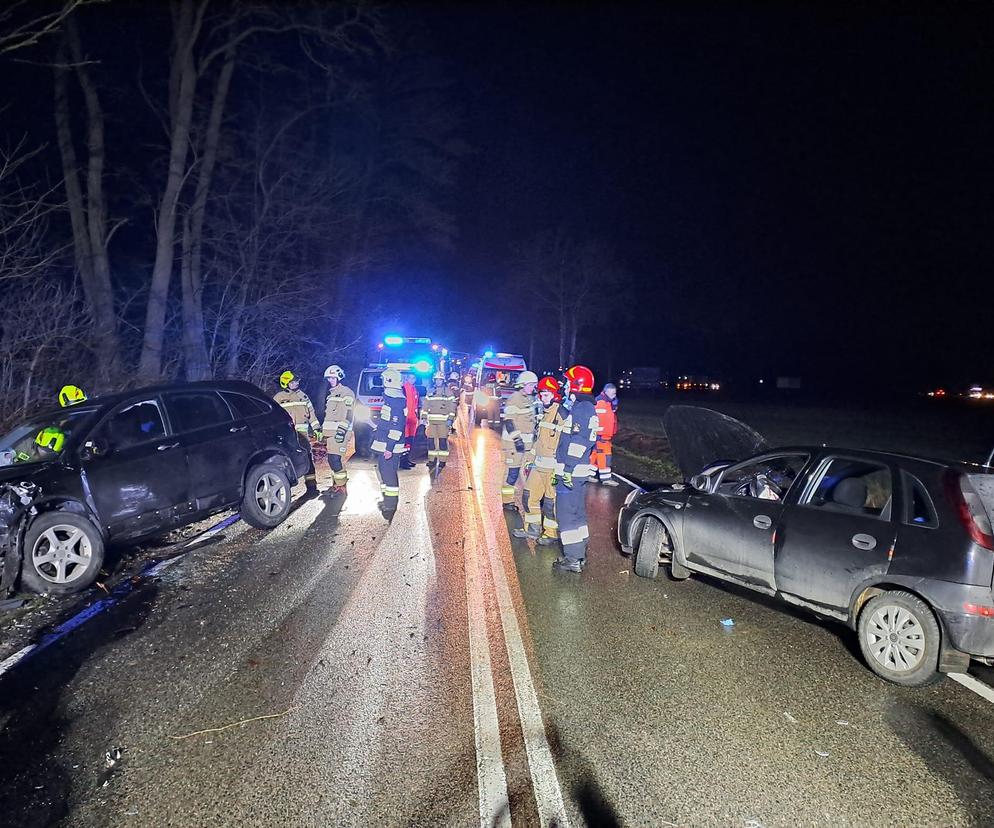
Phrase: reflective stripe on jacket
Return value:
(608, 419)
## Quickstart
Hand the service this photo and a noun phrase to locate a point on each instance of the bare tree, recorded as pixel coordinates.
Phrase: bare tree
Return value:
(22, 27)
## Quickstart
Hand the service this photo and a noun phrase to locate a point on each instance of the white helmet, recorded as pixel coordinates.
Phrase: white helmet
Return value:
(439, 376)
(526, 378)
(391, 378)
(334, 371)
(454, 375)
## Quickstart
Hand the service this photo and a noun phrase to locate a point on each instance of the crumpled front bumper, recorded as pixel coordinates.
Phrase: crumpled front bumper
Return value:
(16, 505)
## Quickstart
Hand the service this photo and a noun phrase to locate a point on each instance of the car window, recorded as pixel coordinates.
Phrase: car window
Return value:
(245, 406)
(919, 509)
(766, 478)
(371, 383)
(44, 437)
(138, 423)
(190, 410)
(853, 486)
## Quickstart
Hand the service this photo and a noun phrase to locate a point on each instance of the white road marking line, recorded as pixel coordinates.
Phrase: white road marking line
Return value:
(491, 776)
(12, 661)
(545, 781)
(974, 684)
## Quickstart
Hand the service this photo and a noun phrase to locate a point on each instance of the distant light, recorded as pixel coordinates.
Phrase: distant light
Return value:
(445, 351)
(761, 382)
(393, 340)
(434, 347)
(380, 347)
(488, 354)
(422, 366)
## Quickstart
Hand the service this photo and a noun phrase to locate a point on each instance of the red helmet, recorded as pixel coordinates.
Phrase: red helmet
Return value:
(580, 379)
(550, 384)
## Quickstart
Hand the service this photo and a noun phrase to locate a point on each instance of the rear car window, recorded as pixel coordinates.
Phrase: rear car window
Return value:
(919, 509)
(244, 406)
(138, 423)
(854, 487)
(190, 410)
(371, 383)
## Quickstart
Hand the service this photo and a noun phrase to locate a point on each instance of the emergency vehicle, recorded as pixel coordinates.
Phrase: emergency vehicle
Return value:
(496, 375)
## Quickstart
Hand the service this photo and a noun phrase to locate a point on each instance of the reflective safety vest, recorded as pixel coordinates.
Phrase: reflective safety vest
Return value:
(520, 417)
(580, 432)
(550, 428)
(298, 405)
(388, 427)
(339, 408)
(438, 412)
(608, 419)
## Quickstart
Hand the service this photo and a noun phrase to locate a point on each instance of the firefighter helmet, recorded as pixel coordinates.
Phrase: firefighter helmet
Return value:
(70, 395)
(286, 378)
(580, 379)
(454, 376)
(335, 371)
(439, 377)
(550, 384)
(391, 378)
(526, 378)
(51, 438)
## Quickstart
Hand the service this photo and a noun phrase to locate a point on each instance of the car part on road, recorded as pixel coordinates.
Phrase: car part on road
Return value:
(266, 501)
(899, 638)
(63, 553)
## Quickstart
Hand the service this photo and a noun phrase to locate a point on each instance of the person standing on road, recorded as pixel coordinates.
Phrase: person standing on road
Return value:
(579, 434)
(298, 405)
(339, 415)
(518, 434)
(388, 441)
(540, 491)
(413, 418)
(607, 407)
(438, 413)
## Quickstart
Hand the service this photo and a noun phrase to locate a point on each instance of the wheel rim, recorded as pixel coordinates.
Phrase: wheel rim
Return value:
(270, 494)
(61, 554)
(895, 638)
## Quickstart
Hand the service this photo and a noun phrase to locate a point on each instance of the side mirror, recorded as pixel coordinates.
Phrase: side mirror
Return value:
(93, 448)
(701, 482)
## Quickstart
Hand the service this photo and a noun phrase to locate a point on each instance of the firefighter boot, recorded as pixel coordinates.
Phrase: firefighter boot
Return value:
(529, 532)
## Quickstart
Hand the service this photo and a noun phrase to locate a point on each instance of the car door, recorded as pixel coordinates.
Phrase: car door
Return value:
(216, 444)
(730, 529)
(136, 473)
(839, 534)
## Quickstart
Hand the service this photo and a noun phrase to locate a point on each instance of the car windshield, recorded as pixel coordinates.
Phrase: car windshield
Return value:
(42, 438)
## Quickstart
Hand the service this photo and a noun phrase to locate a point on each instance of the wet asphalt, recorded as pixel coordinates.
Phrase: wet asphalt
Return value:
(350, 637)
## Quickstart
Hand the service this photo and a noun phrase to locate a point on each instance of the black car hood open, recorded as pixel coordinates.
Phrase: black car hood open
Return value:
(700, 437)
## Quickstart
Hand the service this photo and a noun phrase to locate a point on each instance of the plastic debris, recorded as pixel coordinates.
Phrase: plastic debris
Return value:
(112, 757)
(727, 622)
(789, 718)
(823, 753)
(842, 723)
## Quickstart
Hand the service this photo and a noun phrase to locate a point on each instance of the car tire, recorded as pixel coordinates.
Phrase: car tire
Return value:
(266, 500)
(899, 637)
(63, 553)
(649, 549)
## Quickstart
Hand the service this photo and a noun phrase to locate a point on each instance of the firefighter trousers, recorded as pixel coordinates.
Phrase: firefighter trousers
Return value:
(540, 504)
(438, 449)
(571, 512)
(388, 468)
(516, 463)
(336, 459)
(600, 456)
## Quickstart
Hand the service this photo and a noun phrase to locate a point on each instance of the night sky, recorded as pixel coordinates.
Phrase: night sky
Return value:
(795, 191)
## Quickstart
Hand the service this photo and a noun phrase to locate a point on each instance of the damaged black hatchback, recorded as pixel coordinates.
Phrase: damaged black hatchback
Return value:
(136, 464)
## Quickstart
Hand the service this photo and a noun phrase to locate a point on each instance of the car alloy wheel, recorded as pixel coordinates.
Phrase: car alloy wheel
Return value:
(61, 554)
(270, 494)
(895, 638)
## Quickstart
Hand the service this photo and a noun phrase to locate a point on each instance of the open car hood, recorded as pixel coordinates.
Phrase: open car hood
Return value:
(700, 437)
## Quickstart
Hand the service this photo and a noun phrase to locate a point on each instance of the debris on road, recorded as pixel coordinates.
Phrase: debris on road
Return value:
(233, 724)
(842, 723)
(111, 757)
(727, 622)
(789, 718)
(823, 753)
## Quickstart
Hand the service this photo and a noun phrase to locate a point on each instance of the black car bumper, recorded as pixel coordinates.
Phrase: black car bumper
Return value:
(958, 606)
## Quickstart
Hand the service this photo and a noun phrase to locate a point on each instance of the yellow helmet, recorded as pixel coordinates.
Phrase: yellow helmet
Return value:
(70, 395)
(286, 378)
(51, 438)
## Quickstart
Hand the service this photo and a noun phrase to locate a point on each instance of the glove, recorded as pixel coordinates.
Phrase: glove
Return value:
(318, 434)
(340, 434)
(567, 479)
(519, 445)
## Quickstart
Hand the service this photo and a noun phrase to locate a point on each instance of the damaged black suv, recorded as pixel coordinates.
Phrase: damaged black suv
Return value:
(136, 464)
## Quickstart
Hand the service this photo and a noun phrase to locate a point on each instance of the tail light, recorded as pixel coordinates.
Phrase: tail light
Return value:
(970, 509)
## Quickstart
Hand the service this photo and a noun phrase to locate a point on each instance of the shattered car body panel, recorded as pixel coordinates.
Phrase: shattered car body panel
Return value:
(16, 506)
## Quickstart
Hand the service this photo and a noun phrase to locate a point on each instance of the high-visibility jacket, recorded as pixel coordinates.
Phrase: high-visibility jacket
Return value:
(411, 396)
(298, 405)
(580, 430)
(608, 419)
(547, 439)
(520, 418)
(438, 412)
(388, 426)
(339, 408)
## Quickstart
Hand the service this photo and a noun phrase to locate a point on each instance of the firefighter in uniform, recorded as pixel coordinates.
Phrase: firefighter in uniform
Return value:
(518, 434)
(339, 414)
(540, 491)
(298, 405)
(388, 440)
(70, 395)
(573, 468)
(607, 406)
(438, 413)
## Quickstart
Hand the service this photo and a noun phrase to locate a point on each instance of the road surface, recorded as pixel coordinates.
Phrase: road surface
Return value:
(342, 671)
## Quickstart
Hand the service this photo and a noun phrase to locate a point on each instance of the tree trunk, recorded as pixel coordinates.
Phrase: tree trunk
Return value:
(197, 361)
(187, 29)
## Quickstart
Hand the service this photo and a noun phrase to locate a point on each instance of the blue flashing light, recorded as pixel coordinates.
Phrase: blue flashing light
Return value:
(488, 354)
(445, 352)
(393, 340)
(423, 366)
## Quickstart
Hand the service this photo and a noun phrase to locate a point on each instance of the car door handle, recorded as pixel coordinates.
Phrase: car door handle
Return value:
(762, 522)
(236, 429)
(862, 541)
(167, 447)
